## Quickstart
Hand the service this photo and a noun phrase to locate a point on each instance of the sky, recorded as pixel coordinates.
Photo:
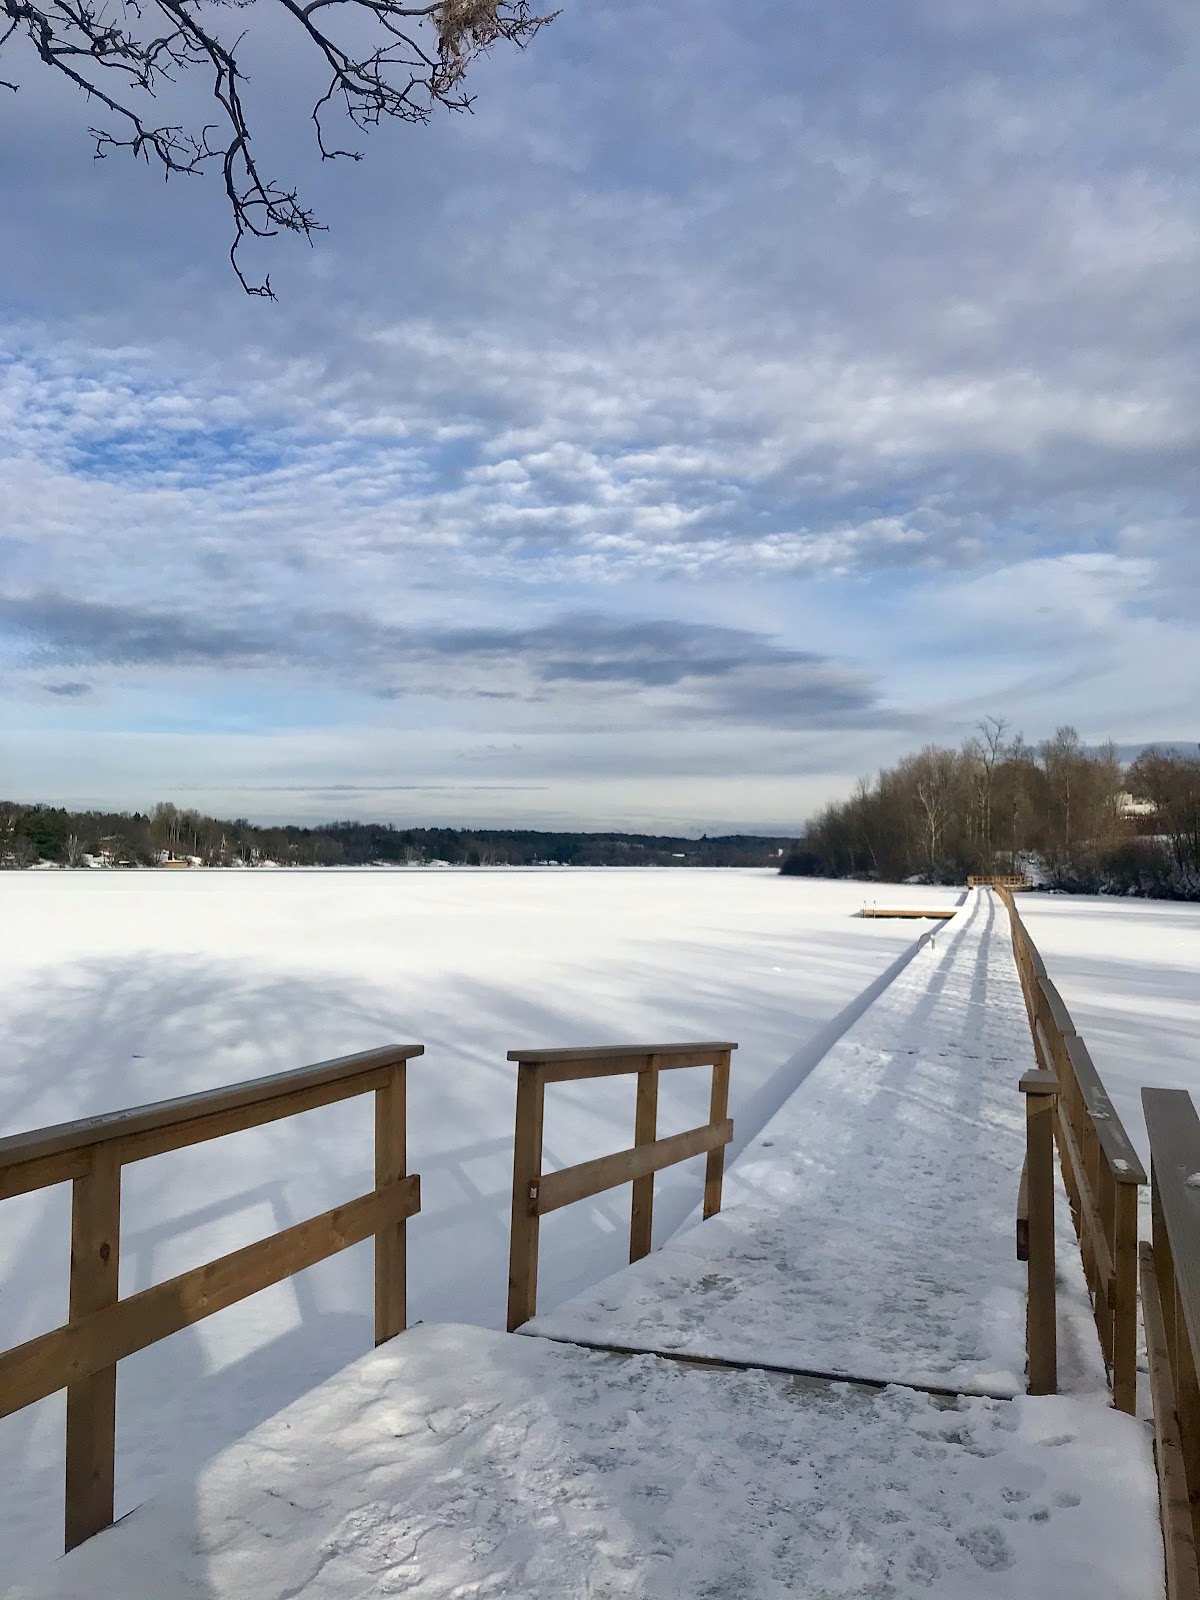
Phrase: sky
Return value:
(740, 397)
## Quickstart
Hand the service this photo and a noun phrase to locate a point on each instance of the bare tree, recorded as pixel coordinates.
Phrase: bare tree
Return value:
(1062, 757)
(381, 60)
(991, 750)
(935, 786)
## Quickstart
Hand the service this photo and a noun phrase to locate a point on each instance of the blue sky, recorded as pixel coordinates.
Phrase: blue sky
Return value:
(740, 397)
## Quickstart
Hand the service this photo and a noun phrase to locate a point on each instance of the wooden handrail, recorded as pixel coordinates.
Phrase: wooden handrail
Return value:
(81, 1356)
(569, 1066)
(52, 1155)
(668, 1054)
(1170, 1275)
(1100, 1164)
(535, 1193)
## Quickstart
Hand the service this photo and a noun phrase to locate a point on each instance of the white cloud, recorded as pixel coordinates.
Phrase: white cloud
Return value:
(887, 323)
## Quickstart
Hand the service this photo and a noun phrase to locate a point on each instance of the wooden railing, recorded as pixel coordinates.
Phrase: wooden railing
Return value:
(536, 1192)
(1101, 1171)
(102, 1328)
(1170, 1274)
(1010, 880)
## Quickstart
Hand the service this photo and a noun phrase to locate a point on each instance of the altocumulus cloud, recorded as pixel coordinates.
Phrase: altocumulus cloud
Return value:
(751, 372)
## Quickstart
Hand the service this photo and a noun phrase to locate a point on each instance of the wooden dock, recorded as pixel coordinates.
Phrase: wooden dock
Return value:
(892, 911)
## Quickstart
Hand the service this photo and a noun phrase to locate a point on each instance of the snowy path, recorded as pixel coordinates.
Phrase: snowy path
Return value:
(457, 1462)
(868, 1231)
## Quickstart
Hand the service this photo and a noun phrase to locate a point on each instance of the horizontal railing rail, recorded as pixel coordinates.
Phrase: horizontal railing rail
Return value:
(102, 1329)
(1101, 1171)
(535, 1193)
(1001, 880)
(1170, 1279)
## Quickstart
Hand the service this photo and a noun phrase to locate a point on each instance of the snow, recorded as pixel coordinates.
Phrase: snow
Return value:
(119, 988)
(869, 1230)
(1129, 971)
(456, 1461)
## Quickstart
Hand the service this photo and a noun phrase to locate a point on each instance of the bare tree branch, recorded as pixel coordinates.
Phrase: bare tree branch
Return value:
(417, 61)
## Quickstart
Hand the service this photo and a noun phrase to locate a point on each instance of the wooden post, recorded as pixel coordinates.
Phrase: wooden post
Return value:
(1174, 1502)
(527, 1176)
(1040, 1090)
(718, 1110)
(92, 1401)
(391, 1242)
(641, 1221)
(1125, 1268)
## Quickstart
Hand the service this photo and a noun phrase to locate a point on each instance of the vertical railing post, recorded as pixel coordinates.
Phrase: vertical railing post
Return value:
(641, 1219)
(92, 1401)
(391, 1242)
(1125, 1266)
(718, 1110)
(1040, 1090)
(527, 1176)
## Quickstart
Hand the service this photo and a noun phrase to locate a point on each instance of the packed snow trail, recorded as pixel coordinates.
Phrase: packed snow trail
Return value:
(454, 1461)
(868, 1232)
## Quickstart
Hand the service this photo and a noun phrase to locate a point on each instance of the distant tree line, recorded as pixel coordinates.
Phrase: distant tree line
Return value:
(1078, 816)
(33, 834)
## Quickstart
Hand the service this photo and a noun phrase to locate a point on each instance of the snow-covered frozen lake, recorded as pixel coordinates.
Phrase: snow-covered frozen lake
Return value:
(1129, 971)
(119, 988)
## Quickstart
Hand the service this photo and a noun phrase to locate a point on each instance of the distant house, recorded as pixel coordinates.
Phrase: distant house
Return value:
(1129, 806)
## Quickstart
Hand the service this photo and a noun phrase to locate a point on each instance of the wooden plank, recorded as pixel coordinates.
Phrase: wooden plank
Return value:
(179, 1135)
(67, 1138)
(527, 1171)
(1175, 1512)
(1118, 1147)
(706, 1048)
(92, 1397)
(563, 1188)
(1042, 1047)
(1187, 1409)
(1039, 1089)
(1056, 1007)
(96, 1341)
(641, 1220)
(883, 911)
(43, 1171)
(1124, 1300)
(391, 1256)
(1097, 1258)
(1174, 1131)
(1023, 1213)
(718, 1111)
(616, 1066)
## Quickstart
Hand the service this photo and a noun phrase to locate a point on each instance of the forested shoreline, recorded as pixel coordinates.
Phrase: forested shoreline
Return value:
(1073, 818)
(33, 835)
